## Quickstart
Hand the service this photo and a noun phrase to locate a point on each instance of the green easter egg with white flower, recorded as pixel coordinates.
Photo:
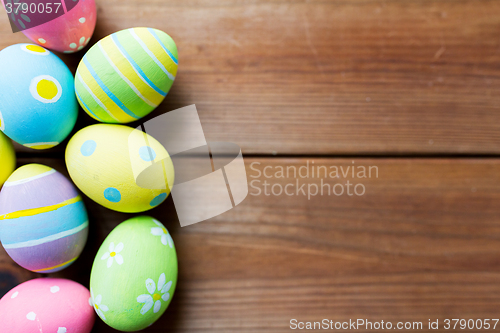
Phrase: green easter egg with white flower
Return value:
(134, 274)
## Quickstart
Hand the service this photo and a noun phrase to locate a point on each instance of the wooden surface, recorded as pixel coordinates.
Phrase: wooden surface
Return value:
(384, 81)
(422, 243)
(329, 77)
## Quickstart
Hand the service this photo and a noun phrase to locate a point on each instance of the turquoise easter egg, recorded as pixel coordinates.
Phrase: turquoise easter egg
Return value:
(43, 221)
(38, 108)
(126, 75)
(134, 274)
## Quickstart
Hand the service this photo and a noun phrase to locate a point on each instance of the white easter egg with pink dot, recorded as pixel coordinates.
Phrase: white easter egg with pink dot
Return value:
(33, 305)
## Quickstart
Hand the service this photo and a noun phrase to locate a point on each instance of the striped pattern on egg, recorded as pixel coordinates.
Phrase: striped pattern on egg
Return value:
(126, 75)
(43, 221)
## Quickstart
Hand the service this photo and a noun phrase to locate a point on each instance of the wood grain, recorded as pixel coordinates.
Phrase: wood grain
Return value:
(353, 77)
(328, 77)
(422, 243)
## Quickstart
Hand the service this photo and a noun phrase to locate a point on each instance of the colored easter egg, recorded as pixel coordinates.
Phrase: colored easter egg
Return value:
(7, 156)
(104, 161)
(43, 221)
(134, 274)
(69, 32)
(38, 108)
(47, 305)
(126, 75)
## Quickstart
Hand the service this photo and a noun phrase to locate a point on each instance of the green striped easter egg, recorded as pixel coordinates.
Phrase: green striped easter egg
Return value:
(126, 75)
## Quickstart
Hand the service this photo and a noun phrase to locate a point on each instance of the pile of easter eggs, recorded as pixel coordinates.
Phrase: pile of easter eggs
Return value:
(43, 221)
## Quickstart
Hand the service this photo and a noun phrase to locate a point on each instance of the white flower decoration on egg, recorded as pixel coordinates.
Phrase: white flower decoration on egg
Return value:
(155, 297)
(113, 254)
(163, 233)
(98, 306)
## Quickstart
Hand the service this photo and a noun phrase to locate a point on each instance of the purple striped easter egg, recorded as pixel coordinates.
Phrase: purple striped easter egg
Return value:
(43, 221)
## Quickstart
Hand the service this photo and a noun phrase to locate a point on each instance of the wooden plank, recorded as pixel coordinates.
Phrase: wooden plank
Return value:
(328, 77)
(422, 243)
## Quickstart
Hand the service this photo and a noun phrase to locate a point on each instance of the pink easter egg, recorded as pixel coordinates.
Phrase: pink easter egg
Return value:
(48, 305)
(67, 33)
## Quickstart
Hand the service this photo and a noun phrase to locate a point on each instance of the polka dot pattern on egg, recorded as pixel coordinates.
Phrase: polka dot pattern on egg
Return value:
(78, 19)
(34, 49)
(108, 163)
(112, 194)
(158, 200)
(45, 109)
(46, 89)
(34, 306)
(147, 153)
(88, 148)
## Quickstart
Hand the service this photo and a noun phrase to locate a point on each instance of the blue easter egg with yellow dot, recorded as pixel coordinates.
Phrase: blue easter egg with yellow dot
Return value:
(38, 107)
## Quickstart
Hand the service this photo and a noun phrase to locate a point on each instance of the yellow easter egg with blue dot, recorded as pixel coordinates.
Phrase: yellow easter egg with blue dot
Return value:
(7, 158)
(126, 75)
(38, 107)
(105, 161)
